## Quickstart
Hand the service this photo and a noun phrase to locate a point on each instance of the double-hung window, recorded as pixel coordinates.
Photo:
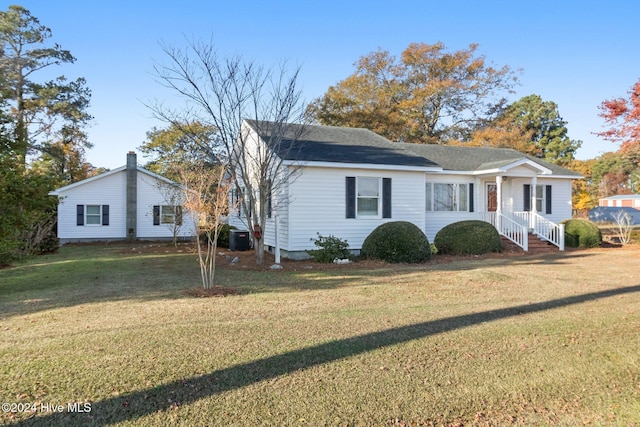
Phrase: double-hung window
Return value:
(368, 194)
(544, 200)
(167, 214)
(368, 197)
(94, 215)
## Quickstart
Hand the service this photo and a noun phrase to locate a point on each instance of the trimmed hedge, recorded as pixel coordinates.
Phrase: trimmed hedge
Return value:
(397, 241)
(581, 233)
(468, 237)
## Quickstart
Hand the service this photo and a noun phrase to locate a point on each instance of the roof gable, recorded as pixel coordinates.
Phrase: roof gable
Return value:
(103, 175)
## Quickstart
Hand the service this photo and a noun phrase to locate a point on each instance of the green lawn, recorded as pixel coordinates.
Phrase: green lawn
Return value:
(552, 339)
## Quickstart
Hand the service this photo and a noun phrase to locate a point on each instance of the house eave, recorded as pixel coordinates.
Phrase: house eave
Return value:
(58, 191)
(338, 165)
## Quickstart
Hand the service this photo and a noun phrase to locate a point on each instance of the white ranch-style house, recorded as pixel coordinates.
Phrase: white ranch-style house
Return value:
(352, 180)
(127, 203)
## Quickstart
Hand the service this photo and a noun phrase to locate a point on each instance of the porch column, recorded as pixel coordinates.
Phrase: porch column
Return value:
(532, 219)
(499, 194)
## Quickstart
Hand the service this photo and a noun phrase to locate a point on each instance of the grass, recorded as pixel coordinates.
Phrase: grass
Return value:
(551, 339)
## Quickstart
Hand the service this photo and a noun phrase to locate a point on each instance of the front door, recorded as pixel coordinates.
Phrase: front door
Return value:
(492, 197)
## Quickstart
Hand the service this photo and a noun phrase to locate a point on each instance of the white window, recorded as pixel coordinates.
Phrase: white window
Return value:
(167, 214)
(93, 215)
(447, 197)
(368, 197)
(540, 198)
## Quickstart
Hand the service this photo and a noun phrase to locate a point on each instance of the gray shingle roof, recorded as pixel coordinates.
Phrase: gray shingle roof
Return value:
(459, 158)
(316, 143)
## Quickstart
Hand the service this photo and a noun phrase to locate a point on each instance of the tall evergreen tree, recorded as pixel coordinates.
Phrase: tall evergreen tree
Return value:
(44, 117)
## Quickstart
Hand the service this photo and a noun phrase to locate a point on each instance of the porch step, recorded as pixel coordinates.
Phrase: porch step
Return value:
(536, 245)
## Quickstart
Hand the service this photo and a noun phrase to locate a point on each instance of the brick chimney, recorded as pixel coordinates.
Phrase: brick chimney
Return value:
(132, 195)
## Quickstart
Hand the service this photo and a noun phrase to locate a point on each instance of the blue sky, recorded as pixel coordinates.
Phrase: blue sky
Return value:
(576, 54)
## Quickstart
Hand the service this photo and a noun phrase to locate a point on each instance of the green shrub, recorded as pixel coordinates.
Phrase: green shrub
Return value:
(329, 249)
(397, 241)
(223, 235)
(468, 237)
(581, 233)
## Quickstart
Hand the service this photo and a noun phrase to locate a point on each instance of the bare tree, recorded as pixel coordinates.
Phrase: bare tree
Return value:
(625, 226)
(173, 196)
(240, 99)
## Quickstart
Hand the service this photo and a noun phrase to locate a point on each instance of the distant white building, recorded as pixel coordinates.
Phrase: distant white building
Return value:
(127, 203)
(621, 200)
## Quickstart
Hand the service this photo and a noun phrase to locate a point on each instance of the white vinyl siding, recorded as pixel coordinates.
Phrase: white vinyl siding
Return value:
(105, 191)
(318, 205)
(110, 190)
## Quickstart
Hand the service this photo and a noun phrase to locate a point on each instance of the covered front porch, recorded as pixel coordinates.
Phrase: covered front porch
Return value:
(519, 198)
(536, 207)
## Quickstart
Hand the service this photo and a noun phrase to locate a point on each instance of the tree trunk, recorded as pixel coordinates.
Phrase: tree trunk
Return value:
(259, 247)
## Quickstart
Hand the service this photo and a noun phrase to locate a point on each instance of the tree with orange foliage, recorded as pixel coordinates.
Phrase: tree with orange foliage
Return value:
(622, 117)
(428, 95)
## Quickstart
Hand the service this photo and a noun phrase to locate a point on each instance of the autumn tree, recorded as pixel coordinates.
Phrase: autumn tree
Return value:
(204, 195)
(615, 173)
(622, 120)
(502, 132)
(538, 129)
(179, 145)
(583, 196)
(224, 92)
(428, 95)
(45, 117)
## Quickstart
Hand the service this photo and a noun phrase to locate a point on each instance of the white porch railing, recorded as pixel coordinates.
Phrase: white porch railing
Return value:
(508, 228)
(547, 230)
(541, 227)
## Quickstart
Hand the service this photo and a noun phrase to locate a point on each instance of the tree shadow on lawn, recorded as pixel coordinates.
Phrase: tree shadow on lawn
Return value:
(161, 398)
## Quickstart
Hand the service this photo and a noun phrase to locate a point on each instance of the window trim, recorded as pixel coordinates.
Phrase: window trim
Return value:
(93, 215)
(385, 198)
(430, 196)
(159, 215)
(378, 198)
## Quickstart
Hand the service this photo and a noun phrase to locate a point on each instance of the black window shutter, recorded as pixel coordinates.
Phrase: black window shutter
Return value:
(471, 207)
(105, 214)
(79, 214)
(351, 196)
(547, 189)
(178, 215)
(386, 197)
(156, 215)
(527, 197)
(269, 202)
